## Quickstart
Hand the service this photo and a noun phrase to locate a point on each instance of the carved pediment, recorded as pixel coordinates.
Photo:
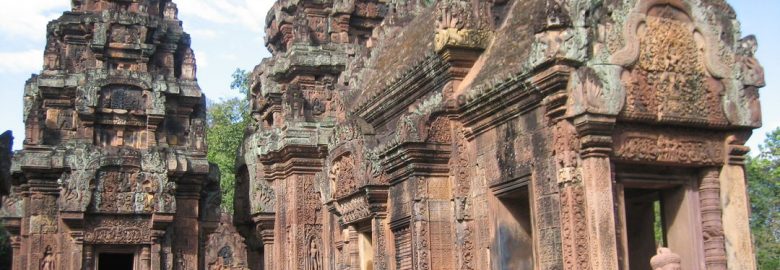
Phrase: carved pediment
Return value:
(129, 190)
(668, 72)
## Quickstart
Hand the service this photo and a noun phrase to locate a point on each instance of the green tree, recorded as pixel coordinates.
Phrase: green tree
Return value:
(763, 175)
(5, 249)
(227, 119)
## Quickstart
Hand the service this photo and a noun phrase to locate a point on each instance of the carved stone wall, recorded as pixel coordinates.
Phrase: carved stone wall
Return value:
(410, 123)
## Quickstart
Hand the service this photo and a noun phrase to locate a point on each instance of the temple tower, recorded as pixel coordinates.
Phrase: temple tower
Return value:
(113, 173)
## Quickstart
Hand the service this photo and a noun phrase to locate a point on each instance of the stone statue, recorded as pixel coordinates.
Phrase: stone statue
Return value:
(666, 260)
(47, 263)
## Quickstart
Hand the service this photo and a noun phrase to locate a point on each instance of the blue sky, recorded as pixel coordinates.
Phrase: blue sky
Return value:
(228, 34)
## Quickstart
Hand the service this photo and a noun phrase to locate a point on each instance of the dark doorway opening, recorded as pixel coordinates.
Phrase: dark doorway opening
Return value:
(115, 261)
(513, 240)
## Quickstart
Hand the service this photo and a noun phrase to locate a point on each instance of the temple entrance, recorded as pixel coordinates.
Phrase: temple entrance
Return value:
(644, 226)
(366, 249)
(513, 242)
(115, 261)
(660, 209)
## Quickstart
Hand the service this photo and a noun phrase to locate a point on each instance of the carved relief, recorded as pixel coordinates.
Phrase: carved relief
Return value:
(225, 247)
(131, 191)
(752, 79)
(121, 99)
(712, 223)
(48, 261)
(457, 26)
(354, 209)
(343, 175)
(573, 228)
(309, 241)
(263, 199)
(440, 131)
(314, 261)
(670, 80)
(117, 230)
(671, 146)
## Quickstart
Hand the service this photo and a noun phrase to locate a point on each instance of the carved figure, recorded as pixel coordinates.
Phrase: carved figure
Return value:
(315, 257)
(48, 261)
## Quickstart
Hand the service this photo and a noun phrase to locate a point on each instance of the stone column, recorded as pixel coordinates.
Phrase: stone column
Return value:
(379, 240)
(16, 244)
(43, 224)
(156, 251)
(24, 231)
(186, 227)
(268, 249)
(735, 205)
(89, 257)
(711, 219)
(264, 228)
(77, 252)
(146, 258)
(596, 141)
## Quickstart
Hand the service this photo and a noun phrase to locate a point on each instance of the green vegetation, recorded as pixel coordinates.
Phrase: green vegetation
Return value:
(5, 249)
(763, 175)
(227, 120)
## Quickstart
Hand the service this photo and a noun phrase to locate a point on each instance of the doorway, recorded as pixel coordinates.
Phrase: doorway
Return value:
(513, 240)
(115, 261)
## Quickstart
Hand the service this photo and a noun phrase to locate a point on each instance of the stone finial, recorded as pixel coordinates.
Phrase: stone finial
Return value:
(666, 260)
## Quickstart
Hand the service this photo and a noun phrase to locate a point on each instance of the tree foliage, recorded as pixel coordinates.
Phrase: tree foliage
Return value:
(763, 175)
(227, 119)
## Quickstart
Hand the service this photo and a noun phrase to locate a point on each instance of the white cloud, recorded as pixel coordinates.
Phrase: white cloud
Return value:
(249, 14)
(202, 59)
(203, 33)
(21, 62)
(28, 19)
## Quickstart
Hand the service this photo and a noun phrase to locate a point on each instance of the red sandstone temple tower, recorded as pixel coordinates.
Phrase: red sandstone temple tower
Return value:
(502, 134)
(113, 173)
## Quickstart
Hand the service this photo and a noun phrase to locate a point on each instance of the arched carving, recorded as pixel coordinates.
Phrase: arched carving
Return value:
(669, 73)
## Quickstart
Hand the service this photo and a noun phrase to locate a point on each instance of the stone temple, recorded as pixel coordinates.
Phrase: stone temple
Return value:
(395, 135)
(113, 173)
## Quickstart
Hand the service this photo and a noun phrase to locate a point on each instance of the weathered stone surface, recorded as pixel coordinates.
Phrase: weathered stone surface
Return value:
(498, 135)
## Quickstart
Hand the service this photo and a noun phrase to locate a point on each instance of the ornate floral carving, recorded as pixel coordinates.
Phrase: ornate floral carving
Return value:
(573, 228)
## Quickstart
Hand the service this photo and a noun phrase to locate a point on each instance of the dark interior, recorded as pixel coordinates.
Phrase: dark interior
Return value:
(115, 261)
